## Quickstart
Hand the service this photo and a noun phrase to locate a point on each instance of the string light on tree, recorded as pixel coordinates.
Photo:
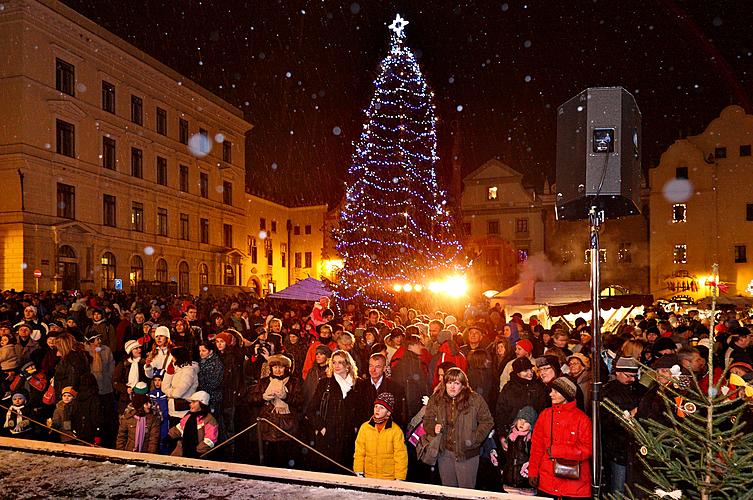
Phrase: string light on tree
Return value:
(394, 227)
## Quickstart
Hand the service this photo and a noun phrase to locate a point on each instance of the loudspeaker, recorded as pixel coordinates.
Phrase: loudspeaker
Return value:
(598, 154)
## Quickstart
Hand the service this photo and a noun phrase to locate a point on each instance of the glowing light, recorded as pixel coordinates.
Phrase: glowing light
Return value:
(397, 287)
(490, 293)
(418, 288)
(262, 235)
(408, 287)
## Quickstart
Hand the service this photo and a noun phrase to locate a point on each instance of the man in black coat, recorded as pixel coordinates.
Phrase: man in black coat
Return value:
(379, 383)
(626, 392)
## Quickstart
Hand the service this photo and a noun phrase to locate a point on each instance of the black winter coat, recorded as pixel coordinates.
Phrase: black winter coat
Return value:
(411, 374)
(233, 385)
(86, 415)
(211, 374)
(294, 400)
(515, 395)
(120, 381)
(69, 371)
(626, 397)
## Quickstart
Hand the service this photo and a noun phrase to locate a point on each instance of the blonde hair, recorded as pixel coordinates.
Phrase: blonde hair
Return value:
(349, 363)
(65, 344)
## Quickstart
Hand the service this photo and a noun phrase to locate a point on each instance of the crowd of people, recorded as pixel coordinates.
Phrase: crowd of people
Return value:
(475, 400)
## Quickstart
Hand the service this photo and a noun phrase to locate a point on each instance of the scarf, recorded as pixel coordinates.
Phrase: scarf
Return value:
(515, 433)
(191, 434)
(345, 383)
(133, 373)
(140, 433)
(276, 392)
(96, 366)
(99, 322)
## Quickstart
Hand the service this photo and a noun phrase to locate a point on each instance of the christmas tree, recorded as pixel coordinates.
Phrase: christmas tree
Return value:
(395, 226)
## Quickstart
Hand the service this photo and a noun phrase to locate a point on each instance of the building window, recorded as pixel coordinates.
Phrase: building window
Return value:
(184, 227)
(227, 235)
(137, 163)
(108, 153)
(741, 254)
(204, 230)
(137, 217)
(203, 275)
(253, 250)
(227, 192)
(108, 97)
(65, 77)
(680, 255)
(720, 152)
(162, 221)
(623, 253)
(298, 260)
(262, 223)
(229, 275)
(491, 193)
(602, 256)
(183, 278)
(161, 121)
(137, 110)
(521, 226)
(109, 268)
(66, 138)
(492, 257)
(227, 151)
(161, 270)
(681, 173)
(269, 251)
(522, 255)
(307, 260)
(204, 184)
(137, 270)
(273, 227)
(66, 201)
(183, 131)
(183, 178)
(749, 212)
(492, 227)
(297, 230)
(161, 171)
(745, 150)
(307, 229)
(283, 254)
(204, 142)
(679, 212)
(108, 210)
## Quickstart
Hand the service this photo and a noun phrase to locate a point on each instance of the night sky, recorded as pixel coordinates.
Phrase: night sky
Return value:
(303, 71)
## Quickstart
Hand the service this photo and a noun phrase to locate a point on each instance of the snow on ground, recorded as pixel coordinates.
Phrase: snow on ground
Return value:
(30, 475)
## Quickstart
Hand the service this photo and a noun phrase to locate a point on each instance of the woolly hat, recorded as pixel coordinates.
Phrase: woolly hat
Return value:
(566, 387)
(386, 399)
(444, 336)
(225, 337)
(70, 390)
(666, 361)
(139, 400)
(200, 396)
(584, 360)
(627, 365)
(162, 330)
(20, 394)
(528, 414)
(131, 345)
(324, 349)
(140, 388)
(279, 359)
(526, 345)
(521, 365)
(548, 360)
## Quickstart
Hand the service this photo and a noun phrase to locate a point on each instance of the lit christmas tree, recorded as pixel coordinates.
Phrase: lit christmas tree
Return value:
(395, 227)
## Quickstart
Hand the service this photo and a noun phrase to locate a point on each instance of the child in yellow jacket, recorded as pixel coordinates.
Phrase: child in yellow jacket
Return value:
(380, 445)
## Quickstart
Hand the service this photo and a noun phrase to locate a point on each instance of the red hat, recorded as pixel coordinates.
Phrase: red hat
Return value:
(386, 399)
(526, 345)
(228, 338)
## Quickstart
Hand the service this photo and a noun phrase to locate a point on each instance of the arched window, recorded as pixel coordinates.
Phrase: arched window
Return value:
(137, 270)
(108, 270)
(203, 275)
(67, 252)
(229, 275)
(183, 283)
(68, 267)
(162, 270)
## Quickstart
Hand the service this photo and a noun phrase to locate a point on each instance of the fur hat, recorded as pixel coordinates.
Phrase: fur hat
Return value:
(584, 360)
(140, 388)
(526, 345)
(280, 359)
(521, 365)
(548, 360)
(566, 387)
(200, 396)
(131, 345)
(386, 399)
(162, 330)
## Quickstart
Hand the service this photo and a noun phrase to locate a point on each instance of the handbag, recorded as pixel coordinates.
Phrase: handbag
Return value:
(427, 448)
(562, 467)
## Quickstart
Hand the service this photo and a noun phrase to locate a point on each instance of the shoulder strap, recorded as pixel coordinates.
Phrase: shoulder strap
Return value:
(551, 434)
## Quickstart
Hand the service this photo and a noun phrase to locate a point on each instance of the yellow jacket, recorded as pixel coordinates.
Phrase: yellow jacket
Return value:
(381, 455)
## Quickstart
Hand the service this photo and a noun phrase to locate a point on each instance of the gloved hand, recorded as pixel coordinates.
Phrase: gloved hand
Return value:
(425, 400)
(533, 481)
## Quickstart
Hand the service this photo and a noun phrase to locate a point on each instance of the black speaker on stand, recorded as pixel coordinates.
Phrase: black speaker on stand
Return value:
(598, 178)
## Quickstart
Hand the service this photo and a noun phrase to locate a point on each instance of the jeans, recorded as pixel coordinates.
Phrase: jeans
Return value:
(619, 475)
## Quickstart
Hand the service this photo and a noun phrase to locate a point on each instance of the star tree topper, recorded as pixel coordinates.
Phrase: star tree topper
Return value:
(398, 25)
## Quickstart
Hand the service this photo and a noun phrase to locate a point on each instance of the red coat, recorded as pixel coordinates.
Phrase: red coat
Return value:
(571, 441)
(447, 353)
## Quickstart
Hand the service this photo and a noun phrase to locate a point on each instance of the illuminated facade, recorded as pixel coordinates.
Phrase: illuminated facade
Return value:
(702, 210)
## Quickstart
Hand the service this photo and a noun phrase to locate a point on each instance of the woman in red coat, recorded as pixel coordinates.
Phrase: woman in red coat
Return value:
(562, 431)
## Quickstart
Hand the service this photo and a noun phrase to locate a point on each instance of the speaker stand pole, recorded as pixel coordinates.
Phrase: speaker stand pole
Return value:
(595, 220)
